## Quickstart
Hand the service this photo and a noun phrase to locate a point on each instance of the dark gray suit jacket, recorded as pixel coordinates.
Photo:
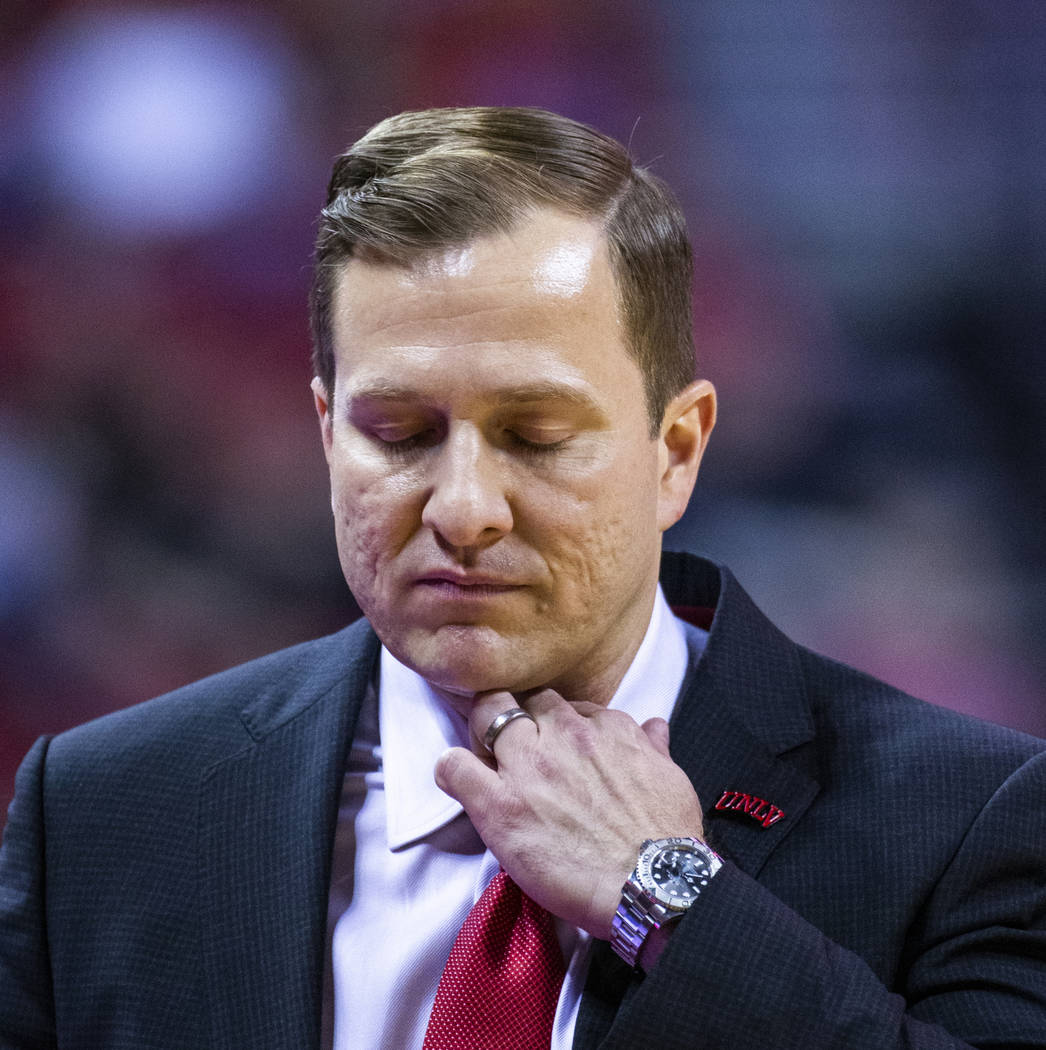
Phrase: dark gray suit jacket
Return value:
(163, 877)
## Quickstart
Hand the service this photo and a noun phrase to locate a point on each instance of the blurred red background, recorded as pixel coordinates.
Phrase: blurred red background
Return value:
(864, 186)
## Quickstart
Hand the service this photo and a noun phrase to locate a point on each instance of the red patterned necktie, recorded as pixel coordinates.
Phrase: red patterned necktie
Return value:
(501, 983)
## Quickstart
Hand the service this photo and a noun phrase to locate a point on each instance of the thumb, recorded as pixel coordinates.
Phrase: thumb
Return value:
(460, 774)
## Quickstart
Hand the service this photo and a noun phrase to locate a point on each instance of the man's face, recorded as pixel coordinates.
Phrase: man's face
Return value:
(496, 492)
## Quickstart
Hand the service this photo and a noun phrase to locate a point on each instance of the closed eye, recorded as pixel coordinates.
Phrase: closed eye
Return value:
(533, 445)
(393, 445)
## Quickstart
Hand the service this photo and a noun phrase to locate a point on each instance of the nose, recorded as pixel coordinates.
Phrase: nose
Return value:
(466, 504)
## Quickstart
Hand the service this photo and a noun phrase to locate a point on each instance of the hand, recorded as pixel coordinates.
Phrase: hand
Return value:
(569, 799)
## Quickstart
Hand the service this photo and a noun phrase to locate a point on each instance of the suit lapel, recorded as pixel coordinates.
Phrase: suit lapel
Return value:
(266, 823)
(761, 788)
(742, 724)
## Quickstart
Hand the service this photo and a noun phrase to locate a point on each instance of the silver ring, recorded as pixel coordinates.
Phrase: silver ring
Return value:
(499, 723)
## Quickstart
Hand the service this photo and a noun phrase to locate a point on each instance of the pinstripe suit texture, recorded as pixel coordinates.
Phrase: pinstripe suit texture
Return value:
(164, 870)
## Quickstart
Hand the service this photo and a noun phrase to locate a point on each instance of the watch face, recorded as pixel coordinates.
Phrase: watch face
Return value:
(675, 874)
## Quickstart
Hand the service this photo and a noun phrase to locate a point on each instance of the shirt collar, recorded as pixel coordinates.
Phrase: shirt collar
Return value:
(416, 726)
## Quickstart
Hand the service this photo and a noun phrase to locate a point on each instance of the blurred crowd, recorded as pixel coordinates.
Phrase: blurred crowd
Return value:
(865, 190)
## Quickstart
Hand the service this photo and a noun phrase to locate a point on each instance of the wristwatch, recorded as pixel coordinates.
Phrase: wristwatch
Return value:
(669, 876)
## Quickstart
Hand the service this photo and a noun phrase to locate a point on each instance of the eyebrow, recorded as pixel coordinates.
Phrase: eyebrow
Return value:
(527, 393)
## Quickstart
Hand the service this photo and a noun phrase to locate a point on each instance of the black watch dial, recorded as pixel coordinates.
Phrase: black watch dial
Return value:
(681, 874)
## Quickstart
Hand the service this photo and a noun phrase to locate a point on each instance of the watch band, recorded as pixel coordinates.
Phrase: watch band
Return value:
(633, 922)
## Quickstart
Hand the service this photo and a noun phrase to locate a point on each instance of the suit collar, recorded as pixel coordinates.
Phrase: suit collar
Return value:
(339, 662)
(747, 661)
(266, 821)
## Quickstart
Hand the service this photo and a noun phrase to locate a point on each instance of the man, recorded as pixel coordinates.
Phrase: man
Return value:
(506, 396)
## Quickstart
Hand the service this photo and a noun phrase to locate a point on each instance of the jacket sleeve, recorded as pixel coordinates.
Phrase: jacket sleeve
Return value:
(745, 972)
(26, 1001)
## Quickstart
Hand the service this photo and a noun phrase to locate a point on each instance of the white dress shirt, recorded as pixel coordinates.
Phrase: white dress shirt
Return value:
(408, 865)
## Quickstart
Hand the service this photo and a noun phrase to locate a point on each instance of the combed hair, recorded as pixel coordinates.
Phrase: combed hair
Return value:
(439, 178)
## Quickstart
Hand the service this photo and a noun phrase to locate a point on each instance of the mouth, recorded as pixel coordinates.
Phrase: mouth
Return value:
(465, 585)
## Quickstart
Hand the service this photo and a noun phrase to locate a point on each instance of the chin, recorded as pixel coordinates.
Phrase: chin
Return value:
(466, 670)
(465, 661)
(469, 680)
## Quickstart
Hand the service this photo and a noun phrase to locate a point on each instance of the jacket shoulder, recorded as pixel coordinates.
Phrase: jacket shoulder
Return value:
(909, 740)
(204, 721)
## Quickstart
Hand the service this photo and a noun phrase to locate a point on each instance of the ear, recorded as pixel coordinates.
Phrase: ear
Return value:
(323, 407)
(685, 430)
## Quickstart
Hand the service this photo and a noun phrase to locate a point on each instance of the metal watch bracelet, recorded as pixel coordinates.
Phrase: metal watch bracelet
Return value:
(633, 921)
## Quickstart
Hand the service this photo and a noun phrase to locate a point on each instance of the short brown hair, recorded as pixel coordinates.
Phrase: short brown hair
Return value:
(439, 178)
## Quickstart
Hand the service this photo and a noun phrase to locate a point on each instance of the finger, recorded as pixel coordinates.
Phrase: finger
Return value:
(656, 730)
(547, 701)
(485, 709)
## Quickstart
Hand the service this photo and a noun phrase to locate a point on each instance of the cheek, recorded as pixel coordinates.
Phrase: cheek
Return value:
(373, 520)
(595, 547)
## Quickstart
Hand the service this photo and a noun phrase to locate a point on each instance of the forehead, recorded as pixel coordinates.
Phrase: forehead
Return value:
(540, 295)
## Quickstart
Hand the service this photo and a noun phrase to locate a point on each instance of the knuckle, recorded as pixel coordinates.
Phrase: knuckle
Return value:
(583, 735)
(546, 767)
(624, 729)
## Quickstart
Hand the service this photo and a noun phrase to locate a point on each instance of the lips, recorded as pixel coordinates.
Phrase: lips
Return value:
(467, 588)
(467, 581)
